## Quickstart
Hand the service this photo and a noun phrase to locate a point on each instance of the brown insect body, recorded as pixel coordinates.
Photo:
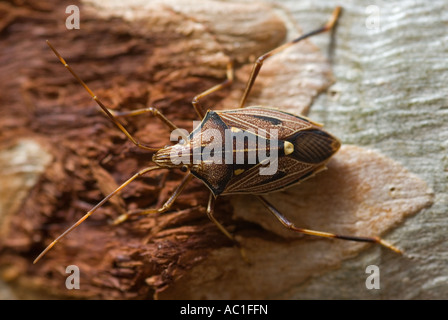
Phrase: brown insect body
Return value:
(295, 146)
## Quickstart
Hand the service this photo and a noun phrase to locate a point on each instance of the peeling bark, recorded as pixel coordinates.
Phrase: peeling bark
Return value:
(162, 55)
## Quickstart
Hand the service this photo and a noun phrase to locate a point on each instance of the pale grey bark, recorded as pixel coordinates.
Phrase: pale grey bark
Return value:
(390, 94)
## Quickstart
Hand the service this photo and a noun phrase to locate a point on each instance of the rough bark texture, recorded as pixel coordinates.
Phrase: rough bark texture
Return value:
(389, 94)
(162, 58)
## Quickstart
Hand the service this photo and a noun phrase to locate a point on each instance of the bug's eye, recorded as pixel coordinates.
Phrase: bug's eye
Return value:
(184, 168)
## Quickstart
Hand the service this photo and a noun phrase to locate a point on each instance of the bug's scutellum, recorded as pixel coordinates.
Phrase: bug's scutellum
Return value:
(303, 149)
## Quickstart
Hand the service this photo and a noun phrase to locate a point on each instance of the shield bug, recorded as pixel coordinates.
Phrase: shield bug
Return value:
(254, 150)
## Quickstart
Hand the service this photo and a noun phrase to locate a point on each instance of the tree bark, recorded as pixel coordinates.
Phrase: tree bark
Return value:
(387, 93)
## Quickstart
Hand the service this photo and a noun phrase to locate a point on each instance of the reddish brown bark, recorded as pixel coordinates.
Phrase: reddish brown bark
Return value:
(128, 66)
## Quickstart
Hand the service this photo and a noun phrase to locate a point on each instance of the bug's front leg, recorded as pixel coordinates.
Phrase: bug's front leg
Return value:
(166, 206)
(288, 224)
(151, 110)
(107, 111)
(88, 214)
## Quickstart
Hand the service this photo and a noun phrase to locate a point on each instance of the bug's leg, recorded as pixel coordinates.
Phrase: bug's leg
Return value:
(88, 214)
(153, 112)
(210, 211)
(257, 66)
(102, 106)
(288, 224)
(226, 83)
(163, 208)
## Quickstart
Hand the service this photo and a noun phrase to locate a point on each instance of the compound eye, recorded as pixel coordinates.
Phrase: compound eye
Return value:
(184, 168)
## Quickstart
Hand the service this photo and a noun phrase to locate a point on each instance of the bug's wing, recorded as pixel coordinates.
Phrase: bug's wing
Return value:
(313, 146)
(263, 120)
(311, 151)
(289, 171)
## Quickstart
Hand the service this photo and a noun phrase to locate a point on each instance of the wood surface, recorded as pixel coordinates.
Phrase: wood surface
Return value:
(384, 95)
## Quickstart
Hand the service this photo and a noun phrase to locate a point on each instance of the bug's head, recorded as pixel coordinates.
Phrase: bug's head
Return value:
(175, 156)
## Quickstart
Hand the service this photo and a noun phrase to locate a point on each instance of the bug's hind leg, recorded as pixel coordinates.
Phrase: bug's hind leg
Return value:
(210, 212)
(225, 83)
(166, 206)
(257, 66)
(288, 224)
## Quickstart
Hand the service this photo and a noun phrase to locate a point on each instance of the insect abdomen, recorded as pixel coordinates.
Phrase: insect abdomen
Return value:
(313, 146)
